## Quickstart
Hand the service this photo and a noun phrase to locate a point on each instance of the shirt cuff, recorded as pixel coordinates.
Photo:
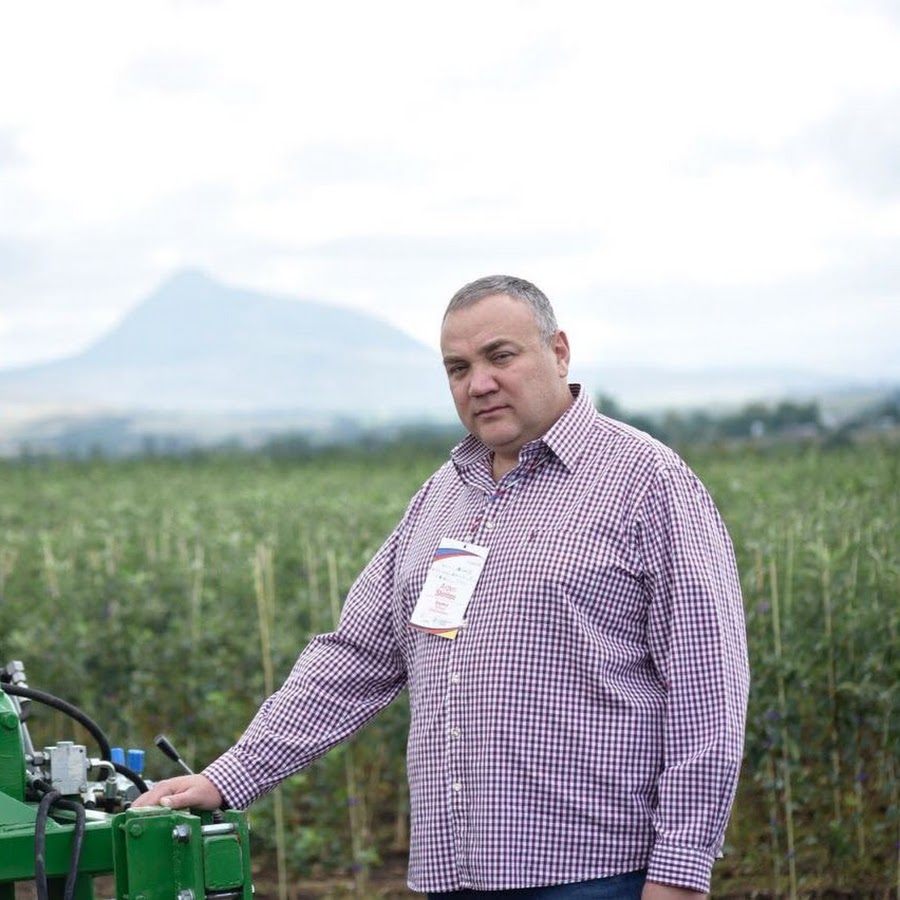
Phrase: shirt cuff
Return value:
(683, 867)
(235, 783)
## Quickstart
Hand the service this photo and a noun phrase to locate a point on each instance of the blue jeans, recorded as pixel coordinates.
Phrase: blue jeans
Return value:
(617, 887)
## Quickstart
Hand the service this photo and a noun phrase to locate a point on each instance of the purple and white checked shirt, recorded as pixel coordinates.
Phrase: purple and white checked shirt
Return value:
(589, 718)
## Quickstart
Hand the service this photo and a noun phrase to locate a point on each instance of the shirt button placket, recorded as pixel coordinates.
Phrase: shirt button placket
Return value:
(485, 523)
(454, 732)
(454, 752)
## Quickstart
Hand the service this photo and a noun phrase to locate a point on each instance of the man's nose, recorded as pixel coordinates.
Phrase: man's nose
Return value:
(482, 381)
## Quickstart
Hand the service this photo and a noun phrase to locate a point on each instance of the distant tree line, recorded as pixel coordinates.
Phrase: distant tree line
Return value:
(783, 421)
(757, 423)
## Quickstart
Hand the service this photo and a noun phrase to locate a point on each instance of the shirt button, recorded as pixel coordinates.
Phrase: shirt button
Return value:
(455, 732)
(457, 786)
(488, 526)
(455, 678)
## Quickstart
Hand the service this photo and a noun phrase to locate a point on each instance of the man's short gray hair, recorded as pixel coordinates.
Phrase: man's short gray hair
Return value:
(518, 289)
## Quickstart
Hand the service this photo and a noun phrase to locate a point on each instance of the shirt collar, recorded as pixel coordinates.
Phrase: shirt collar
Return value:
(565, 437)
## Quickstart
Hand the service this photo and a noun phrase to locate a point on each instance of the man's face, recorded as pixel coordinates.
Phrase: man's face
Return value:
(508, 385)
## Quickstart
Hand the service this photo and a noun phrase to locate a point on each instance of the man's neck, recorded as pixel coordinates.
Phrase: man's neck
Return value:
(500, 465)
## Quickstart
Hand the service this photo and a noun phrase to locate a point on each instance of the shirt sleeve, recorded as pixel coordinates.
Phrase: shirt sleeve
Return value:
(338, 683)
(698, 643)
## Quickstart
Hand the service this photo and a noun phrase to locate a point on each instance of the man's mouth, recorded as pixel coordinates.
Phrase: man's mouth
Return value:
(489, 410)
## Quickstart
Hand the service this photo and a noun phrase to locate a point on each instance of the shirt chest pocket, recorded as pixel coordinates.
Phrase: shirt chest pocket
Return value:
(584, 578)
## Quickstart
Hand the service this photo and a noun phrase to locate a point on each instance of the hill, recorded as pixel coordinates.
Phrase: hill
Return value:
(197, 346)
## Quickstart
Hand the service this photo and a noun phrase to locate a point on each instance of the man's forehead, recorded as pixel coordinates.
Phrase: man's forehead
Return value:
(496, 315)
(486, 339)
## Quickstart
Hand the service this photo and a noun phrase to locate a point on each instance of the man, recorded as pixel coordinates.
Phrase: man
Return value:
(562, 603)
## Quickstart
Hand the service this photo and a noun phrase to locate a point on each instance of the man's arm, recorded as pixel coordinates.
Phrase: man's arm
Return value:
(339, 682)
(698, 643)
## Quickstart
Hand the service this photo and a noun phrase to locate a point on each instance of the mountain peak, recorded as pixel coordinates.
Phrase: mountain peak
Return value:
(189, 279)
(197, 344)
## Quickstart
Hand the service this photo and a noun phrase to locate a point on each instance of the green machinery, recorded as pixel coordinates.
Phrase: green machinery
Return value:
(61, 830)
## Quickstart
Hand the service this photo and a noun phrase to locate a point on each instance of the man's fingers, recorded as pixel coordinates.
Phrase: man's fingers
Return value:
(160, 794)
(178, 800)
(178, 793)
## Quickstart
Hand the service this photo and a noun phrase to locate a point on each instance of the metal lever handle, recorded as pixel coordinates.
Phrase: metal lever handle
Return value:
(167, 747)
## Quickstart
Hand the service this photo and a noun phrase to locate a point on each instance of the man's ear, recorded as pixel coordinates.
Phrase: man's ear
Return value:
(560, 345)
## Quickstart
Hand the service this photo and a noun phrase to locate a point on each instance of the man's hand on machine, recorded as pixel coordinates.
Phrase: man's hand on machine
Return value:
(195, 791)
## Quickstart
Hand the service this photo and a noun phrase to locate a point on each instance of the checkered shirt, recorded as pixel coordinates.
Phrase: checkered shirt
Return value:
(589, 718)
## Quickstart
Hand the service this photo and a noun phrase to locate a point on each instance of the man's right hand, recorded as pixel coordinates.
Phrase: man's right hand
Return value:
(195, 791)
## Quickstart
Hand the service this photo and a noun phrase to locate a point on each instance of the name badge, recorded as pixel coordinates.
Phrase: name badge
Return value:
(448, 588)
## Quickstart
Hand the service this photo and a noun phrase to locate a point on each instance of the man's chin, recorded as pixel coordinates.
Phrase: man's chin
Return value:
(500, 440)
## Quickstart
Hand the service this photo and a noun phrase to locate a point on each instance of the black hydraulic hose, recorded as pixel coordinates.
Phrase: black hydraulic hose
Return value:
(77, 842)
(132, 776)
(42, 887)
(17, 690)
(40, 844)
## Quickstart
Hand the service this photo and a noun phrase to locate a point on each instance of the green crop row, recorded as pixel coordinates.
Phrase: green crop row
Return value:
(169, 595)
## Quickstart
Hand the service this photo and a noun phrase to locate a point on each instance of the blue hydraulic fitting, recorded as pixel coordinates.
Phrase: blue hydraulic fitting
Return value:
(136, 760)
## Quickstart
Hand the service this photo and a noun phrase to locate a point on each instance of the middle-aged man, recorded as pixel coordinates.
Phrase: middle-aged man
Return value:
(561, 601)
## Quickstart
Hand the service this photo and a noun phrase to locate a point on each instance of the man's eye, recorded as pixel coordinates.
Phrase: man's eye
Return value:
(457, 369)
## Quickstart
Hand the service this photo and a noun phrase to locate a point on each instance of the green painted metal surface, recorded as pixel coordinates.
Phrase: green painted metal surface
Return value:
(223, 862)
(12, 754)
(154, 861)
(160, 854)
(17, 851)
(16, 814)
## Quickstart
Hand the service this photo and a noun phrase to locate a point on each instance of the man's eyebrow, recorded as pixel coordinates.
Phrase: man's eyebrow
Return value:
(485, 349)
(495, 345)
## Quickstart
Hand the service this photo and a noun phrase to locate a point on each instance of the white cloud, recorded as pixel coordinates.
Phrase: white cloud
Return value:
(382, 154)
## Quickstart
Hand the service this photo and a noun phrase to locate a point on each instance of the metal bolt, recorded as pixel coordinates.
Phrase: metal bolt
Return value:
(9, 720)
(135, 829)
(186, 894)
(181, 833)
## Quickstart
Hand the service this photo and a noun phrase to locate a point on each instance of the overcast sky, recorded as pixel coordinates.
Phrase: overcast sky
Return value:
(692, 183)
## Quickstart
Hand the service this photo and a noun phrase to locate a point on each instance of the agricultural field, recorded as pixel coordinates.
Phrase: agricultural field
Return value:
(170, 595)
